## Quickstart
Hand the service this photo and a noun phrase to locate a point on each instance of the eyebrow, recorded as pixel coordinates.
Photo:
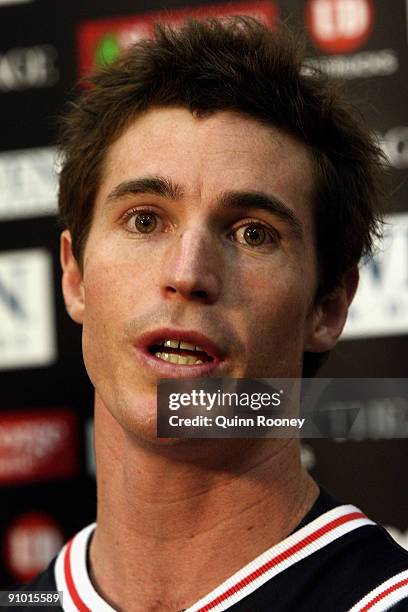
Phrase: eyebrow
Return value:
(255, 200)
(157, 185)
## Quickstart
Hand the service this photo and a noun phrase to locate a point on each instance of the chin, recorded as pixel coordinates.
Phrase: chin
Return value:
(141, 425)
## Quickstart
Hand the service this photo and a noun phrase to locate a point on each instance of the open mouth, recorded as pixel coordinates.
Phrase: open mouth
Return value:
(179, 352)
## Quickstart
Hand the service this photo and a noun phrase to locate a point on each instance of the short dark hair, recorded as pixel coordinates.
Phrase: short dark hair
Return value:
(233, 64)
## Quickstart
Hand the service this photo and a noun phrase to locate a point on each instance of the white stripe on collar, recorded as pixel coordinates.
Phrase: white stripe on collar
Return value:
(384, 596)
(79, 594)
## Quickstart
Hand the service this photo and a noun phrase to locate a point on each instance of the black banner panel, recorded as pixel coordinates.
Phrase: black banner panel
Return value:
(47, 467)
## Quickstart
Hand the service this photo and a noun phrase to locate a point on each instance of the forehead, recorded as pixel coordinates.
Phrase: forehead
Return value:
(221, 152)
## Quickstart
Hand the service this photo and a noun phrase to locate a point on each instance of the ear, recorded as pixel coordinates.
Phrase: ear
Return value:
(330, 314)
(72, 285)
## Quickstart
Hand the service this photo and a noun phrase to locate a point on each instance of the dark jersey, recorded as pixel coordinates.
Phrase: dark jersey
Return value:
(337, 560)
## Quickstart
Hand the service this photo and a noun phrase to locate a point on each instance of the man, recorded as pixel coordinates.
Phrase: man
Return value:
(217, 198)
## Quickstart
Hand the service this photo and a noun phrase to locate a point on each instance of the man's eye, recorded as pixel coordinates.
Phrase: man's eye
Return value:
(254, 235)
(140, 222)
(145, 222)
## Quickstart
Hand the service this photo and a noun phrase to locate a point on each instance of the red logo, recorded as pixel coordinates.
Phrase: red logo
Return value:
(31, 542)
(37, 446)
(339, 26)
(101, 42)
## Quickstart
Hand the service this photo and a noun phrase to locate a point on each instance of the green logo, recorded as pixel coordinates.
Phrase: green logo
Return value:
(107, 51)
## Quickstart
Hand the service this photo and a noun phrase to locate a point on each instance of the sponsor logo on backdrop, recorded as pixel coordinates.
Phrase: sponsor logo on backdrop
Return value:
(360, 65)
(28, 182)
(101, 41)
(380, 307)
(375, 416)
(30, 543)
(394, 143)
(340, 28)
(37, 445)
(23, 68)
(27, 327)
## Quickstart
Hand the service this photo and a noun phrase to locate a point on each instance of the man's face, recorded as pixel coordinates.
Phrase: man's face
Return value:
(202, 233)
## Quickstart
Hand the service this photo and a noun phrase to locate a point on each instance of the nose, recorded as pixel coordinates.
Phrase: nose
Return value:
(192, 268)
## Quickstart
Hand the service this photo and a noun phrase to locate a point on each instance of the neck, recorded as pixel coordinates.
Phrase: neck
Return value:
(197, 509)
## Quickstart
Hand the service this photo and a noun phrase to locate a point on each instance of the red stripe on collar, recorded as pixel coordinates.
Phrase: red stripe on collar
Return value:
(70, 581)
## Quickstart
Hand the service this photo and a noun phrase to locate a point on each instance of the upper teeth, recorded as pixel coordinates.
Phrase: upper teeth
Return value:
(180, 359)
(183, 345)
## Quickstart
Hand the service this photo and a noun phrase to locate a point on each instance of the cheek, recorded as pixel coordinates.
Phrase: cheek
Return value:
(276, 311)
(98, 320)
(275, 295)
(114, 284)
(115, 291)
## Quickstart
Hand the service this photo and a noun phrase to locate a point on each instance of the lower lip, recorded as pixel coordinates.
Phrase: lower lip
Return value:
(164, 369)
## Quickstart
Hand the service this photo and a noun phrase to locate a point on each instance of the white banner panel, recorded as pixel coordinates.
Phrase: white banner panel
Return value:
(28, 183)
(380, 307)
(27, 326)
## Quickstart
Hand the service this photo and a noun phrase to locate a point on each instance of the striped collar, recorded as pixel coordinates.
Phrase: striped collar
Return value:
(79, 595)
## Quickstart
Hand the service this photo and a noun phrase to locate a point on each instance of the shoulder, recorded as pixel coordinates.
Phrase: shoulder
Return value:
(376, 571)
(342, 561)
